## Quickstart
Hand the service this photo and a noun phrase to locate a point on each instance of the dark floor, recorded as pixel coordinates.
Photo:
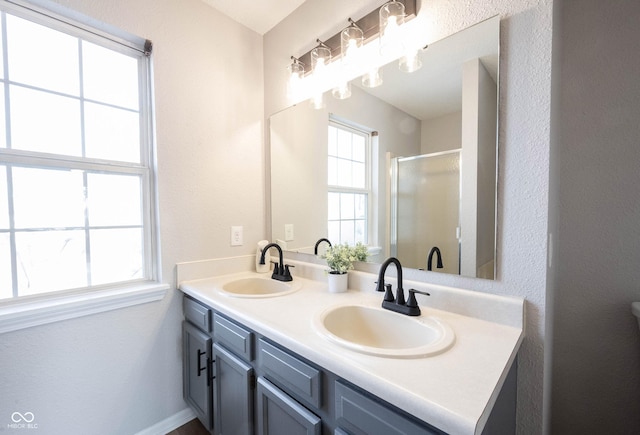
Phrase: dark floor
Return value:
(194, 427)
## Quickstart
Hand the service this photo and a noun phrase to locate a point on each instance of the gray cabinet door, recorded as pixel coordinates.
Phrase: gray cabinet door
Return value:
(358, 414)
(279, 414)
(233, 392)
(196, 372)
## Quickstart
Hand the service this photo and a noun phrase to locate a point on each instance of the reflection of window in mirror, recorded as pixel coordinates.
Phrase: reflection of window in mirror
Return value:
(349, 189)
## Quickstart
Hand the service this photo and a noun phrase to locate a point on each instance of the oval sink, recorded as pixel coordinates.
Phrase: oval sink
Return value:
(377, 331)
(259, 288)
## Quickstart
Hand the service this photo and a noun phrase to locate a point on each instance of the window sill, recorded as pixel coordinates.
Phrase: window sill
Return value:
(21, 315)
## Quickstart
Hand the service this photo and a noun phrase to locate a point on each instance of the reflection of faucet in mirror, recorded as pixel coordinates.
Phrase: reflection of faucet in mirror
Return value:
(397, 304)
(280, 270)
(435, 250)
(315, 248)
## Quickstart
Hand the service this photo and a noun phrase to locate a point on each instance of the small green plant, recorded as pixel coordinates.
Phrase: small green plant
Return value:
(340, 258)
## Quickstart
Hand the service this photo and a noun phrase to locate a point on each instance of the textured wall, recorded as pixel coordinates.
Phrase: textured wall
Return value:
(525, 75)
(595, 213)
(120, 372)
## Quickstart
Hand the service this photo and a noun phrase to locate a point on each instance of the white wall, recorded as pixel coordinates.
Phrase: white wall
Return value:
(523, 139)
(442, 133)
(120, 371)
(595, 216)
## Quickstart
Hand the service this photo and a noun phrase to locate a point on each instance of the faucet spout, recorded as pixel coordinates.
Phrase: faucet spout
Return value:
(381, 286)
(280, 270)
(434, 250)
(397, 304)
(315, 248)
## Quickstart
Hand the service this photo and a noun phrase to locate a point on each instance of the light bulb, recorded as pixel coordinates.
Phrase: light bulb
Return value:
(342, 91)
(372, 78)
(410, 62)
(317, 101)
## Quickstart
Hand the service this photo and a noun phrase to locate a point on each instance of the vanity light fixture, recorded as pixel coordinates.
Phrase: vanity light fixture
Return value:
(296, 74)
(391, 18)
(320, 59)
(353, 46)
(351, 41)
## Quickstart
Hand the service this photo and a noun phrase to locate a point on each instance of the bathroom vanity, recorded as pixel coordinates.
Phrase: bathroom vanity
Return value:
(263, 362)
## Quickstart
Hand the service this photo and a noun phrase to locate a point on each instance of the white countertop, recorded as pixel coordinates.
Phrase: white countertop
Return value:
(453, 391)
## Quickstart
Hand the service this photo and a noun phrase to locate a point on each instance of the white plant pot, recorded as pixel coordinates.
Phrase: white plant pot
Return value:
(338, 282)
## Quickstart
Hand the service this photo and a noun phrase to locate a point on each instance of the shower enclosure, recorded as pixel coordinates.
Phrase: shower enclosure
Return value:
(425, 209)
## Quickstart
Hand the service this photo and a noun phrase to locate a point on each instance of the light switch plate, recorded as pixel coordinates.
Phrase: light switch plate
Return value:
(288, 232)
(236, 236)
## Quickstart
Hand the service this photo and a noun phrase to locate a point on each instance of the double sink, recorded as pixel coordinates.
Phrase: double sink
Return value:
(365, 329)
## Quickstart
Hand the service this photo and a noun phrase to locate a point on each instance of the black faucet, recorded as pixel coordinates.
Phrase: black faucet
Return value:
(435, 250)
(397, 303)
(315, 248)
(280, 270)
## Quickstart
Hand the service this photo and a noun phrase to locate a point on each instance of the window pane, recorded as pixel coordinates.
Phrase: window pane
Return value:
(359, 177)
(4, 199)
(360, 206)
(45, 122)
(112, 134)
(3, 125)
(46, 198)
(333, 144)
(116, 255)
(6, 289)
(1, 53)
(347, 206)
(359, 148)
(361, 231)
(109, 77)
(114, 200)
(334, 206)
(332, 169)
(345, 176)
(344, 144)
(42, 57)
(333, 231)
(50, 261)
(347, 234)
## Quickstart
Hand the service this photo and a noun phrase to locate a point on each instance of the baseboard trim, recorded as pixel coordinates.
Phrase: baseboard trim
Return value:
(170, 423)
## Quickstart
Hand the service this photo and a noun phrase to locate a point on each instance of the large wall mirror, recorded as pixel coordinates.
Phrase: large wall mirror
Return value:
(408, 167)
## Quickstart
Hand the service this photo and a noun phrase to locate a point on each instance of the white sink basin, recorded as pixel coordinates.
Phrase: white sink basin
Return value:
(376, 331)
(255, 287)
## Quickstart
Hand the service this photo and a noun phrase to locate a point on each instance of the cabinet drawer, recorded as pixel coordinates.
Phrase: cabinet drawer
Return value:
(233, 336)
(291, 374)
(197, 314)
(360, 415)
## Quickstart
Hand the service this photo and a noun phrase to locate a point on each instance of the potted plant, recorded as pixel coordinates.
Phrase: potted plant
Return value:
(340, 260)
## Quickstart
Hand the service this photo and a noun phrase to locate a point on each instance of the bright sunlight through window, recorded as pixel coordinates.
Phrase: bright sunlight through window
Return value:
(348, 192)
(75, 167)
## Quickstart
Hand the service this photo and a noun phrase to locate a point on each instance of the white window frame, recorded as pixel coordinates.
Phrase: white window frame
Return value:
(367, 190)
(26, 311)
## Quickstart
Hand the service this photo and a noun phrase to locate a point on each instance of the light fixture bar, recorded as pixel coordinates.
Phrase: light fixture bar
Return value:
(370, 26)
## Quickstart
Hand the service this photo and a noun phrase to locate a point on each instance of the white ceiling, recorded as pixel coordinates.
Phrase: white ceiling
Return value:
(258, 15)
